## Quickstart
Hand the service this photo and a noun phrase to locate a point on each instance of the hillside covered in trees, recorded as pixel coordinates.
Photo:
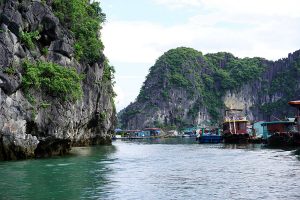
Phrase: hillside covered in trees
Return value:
(185, 88)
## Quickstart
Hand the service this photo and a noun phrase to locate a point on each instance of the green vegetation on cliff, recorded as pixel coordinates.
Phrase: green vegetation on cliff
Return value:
(228, 73)
(84, 20)
(204, 79)
(108, 73)
(28, 38)
(108, 77)
(231, 72)
(285, 86)
(53, 79)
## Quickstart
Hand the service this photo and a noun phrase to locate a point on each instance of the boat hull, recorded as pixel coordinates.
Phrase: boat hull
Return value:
(211, 139)
(236, 138)
(255, 140)
(284, 140)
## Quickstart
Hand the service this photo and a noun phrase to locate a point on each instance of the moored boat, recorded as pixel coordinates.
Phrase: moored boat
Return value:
(284, 133)
(145, 133)
(296, 134)
(256, 130)
(190, 132)
(277, 133)
(211, 136)
(235, 127)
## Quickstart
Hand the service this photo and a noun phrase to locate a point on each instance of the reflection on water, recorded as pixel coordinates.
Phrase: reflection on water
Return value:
(243, 146)
(59, 178)
(172, 141)
(156, 169)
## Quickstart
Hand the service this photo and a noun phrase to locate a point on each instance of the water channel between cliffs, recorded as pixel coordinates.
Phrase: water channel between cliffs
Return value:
(156, 169)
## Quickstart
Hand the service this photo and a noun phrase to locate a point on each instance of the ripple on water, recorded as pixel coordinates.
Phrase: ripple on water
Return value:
(159, 169)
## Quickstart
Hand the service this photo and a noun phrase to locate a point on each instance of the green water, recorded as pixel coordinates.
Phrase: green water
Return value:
(156, 169)
(70, 177)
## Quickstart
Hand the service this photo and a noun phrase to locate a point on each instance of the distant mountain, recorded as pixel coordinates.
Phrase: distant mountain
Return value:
(185, 87)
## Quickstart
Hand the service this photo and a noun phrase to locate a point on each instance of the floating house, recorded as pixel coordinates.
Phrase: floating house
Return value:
(258, 129)
(283, 133)
(278, 133)
(136, 134)
(143, 134)
(153, 132)
(131, 133)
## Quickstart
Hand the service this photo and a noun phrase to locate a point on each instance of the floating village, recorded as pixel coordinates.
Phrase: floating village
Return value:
(235, 129)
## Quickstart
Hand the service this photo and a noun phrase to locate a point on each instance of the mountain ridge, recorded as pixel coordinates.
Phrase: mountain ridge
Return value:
(185, 87)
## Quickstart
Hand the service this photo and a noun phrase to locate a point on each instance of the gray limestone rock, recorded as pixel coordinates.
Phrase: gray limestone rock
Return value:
(63, 47)
(12, 17)
(47, 126)
(161, 103)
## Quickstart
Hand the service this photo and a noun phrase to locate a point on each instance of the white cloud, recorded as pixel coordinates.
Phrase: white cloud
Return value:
(129, 41)
(142, 42)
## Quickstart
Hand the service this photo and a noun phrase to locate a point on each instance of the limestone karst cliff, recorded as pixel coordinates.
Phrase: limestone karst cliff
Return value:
(55, 85)
(185, 88)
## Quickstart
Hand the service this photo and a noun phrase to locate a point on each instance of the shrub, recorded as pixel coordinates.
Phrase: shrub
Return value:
(84, 20)
(56, 80)
(164, 94)
(10, 70)
(108, 73)
(28, 38)
(179, 80)
(45, 51)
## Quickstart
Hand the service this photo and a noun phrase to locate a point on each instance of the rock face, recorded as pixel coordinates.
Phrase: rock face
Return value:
(34, 129)
(187, 88)
(267, 96)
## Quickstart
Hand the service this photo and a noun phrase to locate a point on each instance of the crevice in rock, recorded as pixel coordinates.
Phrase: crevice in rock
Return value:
(9, 86)
(52, 146)
(32, 129)
(2, 152)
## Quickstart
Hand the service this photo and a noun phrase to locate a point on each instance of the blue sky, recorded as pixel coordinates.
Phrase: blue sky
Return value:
(145, 10)
(137, 32)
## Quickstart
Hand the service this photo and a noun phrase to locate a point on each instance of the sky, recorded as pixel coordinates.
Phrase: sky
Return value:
(137, 32)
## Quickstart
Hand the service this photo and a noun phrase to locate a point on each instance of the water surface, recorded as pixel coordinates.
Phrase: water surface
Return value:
(156, 169)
